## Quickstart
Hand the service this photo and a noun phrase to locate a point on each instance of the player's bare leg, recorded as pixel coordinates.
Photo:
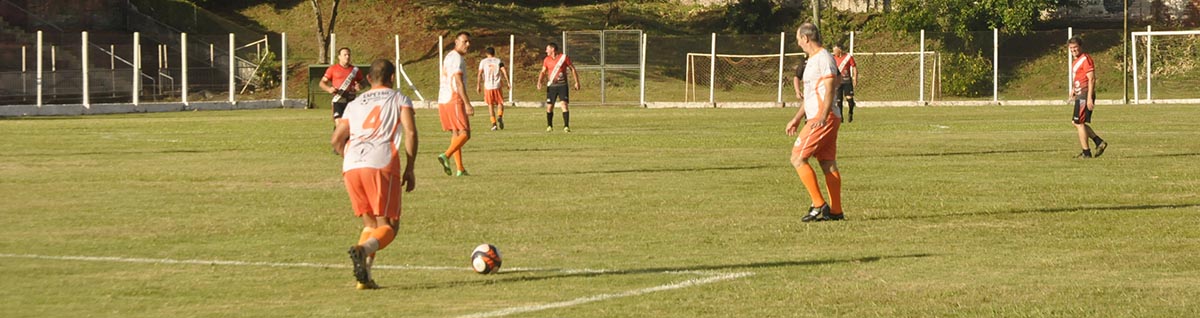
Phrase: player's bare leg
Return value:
(1082, 131)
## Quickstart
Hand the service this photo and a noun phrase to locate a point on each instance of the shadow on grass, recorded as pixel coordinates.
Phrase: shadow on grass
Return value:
(1046, 210)
(1168, 155)
(98, 153)
(517, 277)
(956, 153)
(658, 170)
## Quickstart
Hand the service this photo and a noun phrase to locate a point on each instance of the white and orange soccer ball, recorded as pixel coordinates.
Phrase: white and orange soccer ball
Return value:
(485, 259)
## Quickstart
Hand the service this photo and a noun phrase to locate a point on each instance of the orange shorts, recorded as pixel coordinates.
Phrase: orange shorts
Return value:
(818, 142)
(453, 114)
(374, 192)
(493, 97)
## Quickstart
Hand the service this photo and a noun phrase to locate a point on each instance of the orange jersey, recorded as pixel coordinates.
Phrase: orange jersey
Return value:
(337, 75)
(557, 71)
(1081, 67)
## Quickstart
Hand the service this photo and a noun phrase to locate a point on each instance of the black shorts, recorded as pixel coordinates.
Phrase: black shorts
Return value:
(555, 93)
(339, 109)
(847, 89)
(1081, 115)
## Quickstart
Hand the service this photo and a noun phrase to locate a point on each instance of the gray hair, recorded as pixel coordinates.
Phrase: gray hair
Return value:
(809, 31)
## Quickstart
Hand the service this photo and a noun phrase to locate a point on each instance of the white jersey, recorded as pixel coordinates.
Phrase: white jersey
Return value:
(819, 67)
(452, 65)
(490, 68)
(375, 132)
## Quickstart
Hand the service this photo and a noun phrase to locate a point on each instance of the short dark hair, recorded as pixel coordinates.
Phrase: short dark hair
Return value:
(810, 31)
(553, 46)
(490, 51)
(381, 72)
(1075, 40)
(339, 51)
(462, 33)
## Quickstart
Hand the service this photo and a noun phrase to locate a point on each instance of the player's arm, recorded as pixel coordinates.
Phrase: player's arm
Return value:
(341, 134)
(826, 106)
(462, 93)
(796, 86)
(503, 77)
(575, 75)
(1091, 90)
(541, 76)
(854, 75)
(792, 125)
(478, 80)
(327, 86)
(410, 147)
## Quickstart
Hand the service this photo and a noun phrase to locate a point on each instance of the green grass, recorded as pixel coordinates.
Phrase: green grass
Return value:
(955, 211)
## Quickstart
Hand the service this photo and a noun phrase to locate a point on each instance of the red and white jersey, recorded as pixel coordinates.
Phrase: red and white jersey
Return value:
(453, 65)
(1080, 67)
(337, 74)
(818, 67)
(375, 132)
(556, 68)
(490, 68)
(844, 64)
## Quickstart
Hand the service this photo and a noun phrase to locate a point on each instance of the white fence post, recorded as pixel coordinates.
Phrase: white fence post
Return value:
(25, 69)
(84, 48)
(232, 50)
(1149, 42)
(642, 80)
(39, 68)
(922, 77)
(995, 64)
(283, 70)
(1070, 34)
(183, 69)
(137, 67)
(1133, 48)
(779, 79)
(441, 56)
(512, 41)
(396, 41)
(712, 70)
(332, 48)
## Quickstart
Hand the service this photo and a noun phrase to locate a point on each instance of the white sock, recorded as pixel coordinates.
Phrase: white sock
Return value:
(370, 246)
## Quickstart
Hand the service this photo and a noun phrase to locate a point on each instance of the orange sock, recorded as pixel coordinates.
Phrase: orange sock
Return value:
(456, 144)
(833, 180)
(500, 112)
(458, 160)
(809, 178)
(366, 234)
(379, 239)
(494, 119)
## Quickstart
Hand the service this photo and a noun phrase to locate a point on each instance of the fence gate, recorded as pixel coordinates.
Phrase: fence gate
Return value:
(609, 60)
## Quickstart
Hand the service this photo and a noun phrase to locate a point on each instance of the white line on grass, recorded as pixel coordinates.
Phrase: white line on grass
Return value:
(503, 312)
(589, 299)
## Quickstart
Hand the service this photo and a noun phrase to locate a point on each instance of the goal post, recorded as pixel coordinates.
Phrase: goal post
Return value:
(1165, 64)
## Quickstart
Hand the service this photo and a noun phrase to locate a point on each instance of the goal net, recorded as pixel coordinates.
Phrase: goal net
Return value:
(1166, 66)
(882, 77)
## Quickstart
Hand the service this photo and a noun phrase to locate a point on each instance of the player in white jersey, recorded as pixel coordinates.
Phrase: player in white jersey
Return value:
(369, 137)
(453, 104)
(493, 77)
(818, 138)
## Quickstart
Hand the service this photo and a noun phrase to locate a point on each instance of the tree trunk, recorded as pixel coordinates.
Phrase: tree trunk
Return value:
(322, 38)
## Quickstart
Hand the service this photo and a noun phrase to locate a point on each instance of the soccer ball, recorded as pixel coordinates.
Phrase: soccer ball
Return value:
(485, 259)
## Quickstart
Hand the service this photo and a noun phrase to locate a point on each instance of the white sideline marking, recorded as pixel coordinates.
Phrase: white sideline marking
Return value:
(503, 312)
(589, 299)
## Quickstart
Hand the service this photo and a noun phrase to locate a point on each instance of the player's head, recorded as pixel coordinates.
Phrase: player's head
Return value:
(837, 50)
(382, 73)
(808, 37)
(462, 41)
(343, 55)
(551, 48)
(1075, 44)
(490, 51)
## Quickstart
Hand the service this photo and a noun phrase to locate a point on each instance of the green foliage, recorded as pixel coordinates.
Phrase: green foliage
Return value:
(968, 76)
(267, 76)
(962, 16)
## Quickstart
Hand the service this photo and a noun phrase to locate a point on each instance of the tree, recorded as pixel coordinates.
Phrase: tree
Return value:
(322, 34)
(963, 16)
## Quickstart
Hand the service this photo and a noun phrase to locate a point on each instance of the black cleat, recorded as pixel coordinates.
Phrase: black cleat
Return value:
(500, 122)
(1084, 155)
(829, 216)
(1100, 148)
(359, 258)
(816, 214)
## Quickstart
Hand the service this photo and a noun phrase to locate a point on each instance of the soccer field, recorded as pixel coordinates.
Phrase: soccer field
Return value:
(951, 211)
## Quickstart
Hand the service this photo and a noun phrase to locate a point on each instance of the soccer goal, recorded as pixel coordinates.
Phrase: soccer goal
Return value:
(1170, 66)
(885, 78)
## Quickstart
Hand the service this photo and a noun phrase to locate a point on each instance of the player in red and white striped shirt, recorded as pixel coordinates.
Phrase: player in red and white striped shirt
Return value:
(1083, 95)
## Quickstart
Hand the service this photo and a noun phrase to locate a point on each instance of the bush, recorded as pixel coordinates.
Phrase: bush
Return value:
(966, 75)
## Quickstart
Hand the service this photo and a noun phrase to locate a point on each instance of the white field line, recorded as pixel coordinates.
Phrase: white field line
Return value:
(712, 277)
(602, 297)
